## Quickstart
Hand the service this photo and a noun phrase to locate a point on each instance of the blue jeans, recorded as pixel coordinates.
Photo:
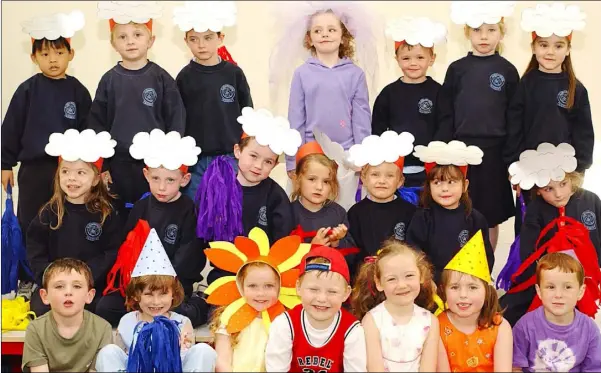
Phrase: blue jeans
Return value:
(198, 170)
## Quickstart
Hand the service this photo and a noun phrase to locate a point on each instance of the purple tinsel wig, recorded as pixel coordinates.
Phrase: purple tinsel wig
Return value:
(219, 201)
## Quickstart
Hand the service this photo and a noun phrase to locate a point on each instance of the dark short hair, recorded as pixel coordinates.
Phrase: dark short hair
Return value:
(39, 44)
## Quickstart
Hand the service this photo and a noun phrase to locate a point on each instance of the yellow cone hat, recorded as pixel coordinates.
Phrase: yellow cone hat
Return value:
(471, 259)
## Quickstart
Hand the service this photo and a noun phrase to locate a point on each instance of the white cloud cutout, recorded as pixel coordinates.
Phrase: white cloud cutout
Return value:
(124, 12)
(205, 15)
(87, 145)
(54, 26)
(417, 31)
(557, 19)
(375, 150)
(454, 152)
(170, 150)
(539, 167)
(271, 131)
(476, 13)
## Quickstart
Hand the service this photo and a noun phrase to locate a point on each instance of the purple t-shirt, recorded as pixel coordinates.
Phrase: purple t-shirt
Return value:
(539, 345)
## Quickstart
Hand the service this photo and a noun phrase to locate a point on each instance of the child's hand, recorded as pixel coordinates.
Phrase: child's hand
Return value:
(337, 234)
(321, 238)
(185, 341)
(106, 176)
(291, 174)
(8, 177)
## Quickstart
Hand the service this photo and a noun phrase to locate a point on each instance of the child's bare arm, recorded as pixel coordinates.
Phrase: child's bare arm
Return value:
(430, 350)
(39, 368)
(187, 336)
(442, 363)
(375, 362)
(503, 353)
(223, 347)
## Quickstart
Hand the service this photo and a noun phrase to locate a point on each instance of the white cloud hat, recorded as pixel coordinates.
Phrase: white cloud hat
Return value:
(545, 20)
(541, 166)
(274, 132)
(201, 16)
(455, 153)
(87, 146)
(124, 12)
(170, 150)
(389, 147)
(415, 31)
(52, 27)
(476, 13)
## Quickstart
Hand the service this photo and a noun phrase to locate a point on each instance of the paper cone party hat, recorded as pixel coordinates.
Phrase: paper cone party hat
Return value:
(153, 259)
(471, 259)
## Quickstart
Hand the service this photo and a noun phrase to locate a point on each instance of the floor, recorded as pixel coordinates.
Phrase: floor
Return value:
(505, 235)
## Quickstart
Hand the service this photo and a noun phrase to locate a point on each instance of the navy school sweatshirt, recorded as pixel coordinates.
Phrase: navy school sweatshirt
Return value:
(214, 97)
(40, 107)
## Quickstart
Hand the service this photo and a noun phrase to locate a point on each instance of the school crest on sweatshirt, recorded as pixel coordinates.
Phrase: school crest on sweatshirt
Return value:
(70, 110)
(149, 96)
(464, 235)
(589, 219)
(171, 233)
(227, 92)
(562, 99)
(262, 216)
(93, 231)
(399, 231)
(425, 106)
(497, 81)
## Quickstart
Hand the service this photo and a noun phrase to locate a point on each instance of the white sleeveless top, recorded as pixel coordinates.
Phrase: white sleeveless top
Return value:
(402, 345)
(129, 332)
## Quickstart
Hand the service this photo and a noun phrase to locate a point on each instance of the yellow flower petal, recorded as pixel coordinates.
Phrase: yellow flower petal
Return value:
(231, 309)
(266, 319)
(290, 301)
(295, 259)
(260, 237)
(217, 283)
(228, 246)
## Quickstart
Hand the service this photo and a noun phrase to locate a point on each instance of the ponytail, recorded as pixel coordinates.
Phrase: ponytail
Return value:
(365, 295)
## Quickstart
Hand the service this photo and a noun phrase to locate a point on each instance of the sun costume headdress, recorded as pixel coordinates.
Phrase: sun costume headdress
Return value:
(284, 257)
(539, 167)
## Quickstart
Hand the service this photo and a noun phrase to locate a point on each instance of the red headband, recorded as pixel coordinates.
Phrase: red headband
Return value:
(400, 163)
(397, 44)
(97, 164)
(112, 24)
(312, 147)
(182, 168)
(534, 36)
(430, 165)
(34, 39)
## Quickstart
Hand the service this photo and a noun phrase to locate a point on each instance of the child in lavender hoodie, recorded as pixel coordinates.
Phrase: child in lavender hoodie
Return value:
(329, 91)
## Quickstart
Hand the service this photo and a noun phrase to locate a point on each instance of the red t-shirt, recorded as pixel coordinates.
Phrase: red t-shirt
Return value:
(327, 358)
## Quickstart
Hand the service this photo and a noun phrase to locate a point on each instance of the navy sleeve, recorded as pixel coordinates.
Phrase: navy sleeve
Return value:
(445, 114)
(347, 241)
(279, 213)
(38, 239)
(12, 127)
(481, 224)
(98, 116)
(417, 233)
(174, 112)
(515, 126)
(111, 235)
(244, 97)
(380, 116)
(189, 259)
(83, 102)
(598, 231)
(583, 135)
(354, 227)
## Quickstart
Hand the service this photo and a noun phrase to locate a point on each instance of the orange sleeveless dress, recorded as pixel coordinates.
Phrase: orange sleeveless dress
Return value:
(468, 353)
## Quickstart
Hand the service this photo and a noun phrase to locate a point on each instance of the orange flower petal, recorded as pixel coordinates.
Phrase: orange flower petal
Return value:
(247, 247)
(241, 319)
(284, 248)
(224, 259)
(226, 294)
(289, 278)
(276, 310)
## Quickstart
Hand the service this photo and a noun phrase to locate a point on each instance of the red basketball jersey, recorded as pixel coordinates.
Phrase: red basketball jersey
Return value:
(307, 358)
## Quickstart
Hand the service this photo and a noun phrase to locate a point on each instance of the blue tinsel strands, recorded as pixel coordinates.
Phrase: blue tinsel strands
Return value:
(157, 347)
(13, 250)
(219, 200)
(411, 194)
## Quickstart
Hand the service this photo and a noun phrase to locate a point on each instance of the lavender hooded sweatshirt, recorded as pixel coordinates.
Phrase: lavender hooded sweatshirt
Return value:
(334, 100)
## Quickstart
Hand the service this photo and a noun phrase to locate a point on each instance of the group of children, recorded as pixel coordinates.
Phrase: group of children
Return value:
(130, 194)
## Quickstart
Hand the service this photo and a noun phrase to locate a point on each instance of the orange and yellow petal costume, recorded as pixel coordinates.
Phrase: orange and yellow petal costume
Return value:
(284, 256)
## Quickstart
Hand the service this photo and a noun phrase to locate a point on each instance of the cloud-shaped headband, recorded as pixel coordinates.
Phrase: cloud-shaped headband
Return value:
(415, 31)
(201, 16)
(124, 12)
(54, 26)
(453, 153)
(274, 132)
(170, 151)
(87, 146)
(545, 20)
(541, 166)
(476, 13)
(389, 147)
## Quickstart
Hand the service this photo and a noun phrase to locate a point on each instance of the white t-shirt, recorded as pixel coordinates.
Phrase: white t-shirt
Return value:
(278, 353)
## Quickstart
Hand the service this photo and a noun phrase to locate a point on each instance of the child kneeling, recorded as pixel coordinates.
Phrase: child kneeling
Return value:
(152, 292)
